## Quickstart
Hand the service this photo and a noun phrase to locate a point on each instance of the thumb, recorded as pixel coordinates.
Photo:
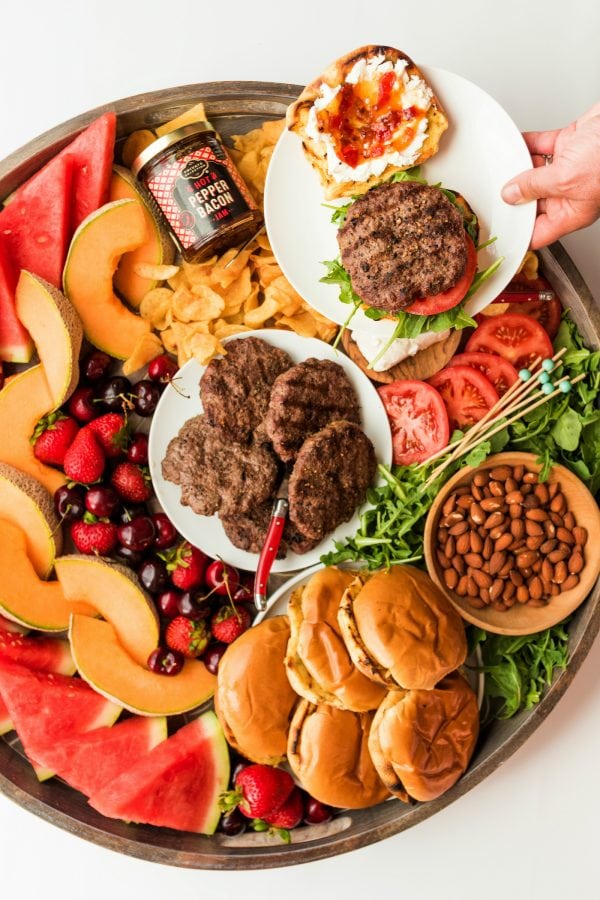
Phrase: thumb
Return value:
(533, 184)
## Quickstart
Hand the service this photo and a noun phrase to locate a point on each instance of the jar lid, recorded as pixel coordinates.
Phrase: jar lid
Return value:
(167, 140)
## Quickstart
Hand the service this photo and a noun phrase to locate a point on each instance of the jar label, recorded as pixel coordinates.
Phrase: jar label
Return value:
(198, 194)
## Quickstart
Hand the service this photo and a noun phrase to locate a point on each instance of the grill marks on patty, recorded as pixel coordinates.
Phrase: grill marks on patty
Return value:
(330, 478)
(217, 475)
(305, 399)
(235, 389)
(401, 242)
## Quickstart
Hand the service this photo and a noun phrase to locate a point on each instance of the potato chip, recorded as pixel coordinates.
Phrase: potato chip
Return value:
(529, 266)
(147, 347)
(303, 324)
(135, 143)
(227, 329)
(156, 307)
(195, 114)
(204, 347)
(154, 272)
(211, 303)
(263, 312)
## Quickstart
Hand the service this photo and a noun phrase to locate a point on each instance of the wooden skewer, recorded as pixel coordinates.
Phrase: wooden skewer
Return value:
(516, 391)
(467, 447)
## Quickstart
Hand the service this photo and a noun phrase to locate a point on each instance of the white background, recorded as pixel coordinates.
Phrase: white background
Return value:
(530, 831)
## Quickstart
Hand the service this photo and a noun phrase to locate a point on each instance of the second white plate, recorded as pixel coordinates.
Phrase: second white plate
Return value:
(180, 403)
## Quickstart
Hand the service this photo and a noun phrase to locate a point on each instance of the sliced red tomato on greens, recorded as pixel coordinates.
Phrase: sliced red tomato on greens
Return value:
(497, 370)
(467, 394)
(513, 336)
(438, 303)
(418, 420)
(547, 312)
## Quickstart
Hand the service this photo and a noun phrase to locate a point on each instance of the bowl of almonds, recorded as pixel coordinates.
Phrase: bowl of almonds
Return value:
(512, 553)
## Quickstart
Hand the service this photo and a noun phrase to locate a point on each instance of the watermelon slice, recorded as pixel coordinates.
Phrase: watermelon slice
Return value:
(43, 654)
(36, 225)
(46, 708)
(15, 343)
(89, 761)
(13, 627)
(92, 152)
(5, 719)
(176, 785)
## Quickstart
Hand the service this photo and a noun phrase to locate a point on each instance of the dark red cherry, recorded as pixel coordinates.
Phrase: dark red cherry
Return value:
(146, 395)
(95, 365)
(138, 449)
(102, 501)
(153, 575)
(166, 533)
(212, 656)
(167, 603)
(138, 534)
(81, 404)
(162, 369)
(69, 503)
(165, 662)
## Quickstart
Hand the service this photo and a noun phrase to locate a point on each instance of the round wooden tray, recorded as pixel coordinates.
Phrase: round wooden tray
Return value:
(236, 107)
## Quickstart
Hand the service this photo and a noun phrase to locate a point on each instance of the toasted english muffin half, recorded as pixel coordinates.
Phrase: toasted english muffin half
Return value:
(421, 742)
(317, 150)
(317, 661)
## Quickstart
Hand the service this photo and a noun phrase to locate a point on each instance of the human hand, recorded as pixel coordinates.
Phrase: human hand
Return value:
(567, 190)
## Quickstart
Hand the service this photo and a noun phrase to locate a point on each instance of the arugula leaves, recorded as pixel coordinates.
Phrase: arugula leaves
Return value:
(517, 669)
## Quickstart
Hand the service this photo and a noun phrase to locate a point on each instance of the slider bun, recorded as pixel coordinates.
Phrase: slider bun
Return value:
(334, 75)
(318, 664)
(254, 699)
(421, 741)
(328, 752)
(400, 629)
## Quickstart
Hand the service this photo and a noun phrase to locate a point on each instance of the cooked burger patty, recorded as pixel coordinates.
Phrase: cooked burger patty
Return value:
(330, 478)
(248, 532)
(304, 399)
(215, 474)
(235, 388)
(401, 242)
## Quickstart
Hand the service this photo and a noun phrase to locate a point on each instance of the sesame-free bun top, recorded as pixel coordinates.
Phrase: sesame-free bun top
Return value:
(421, 741)
(318, 664)
(329, 754)
(400, 629)
(254, 699)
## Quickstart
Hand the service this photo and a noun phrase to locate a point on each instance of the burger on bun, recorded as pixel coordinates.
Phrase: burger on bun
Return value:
(318, 664)
(400, 629)
(254, 699)
(329, 754)
(421, 741)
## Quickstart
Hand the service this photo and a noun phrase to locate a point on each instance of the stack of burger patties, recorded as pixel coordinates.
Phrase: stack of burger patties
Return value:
(359, 689)
(265, 419)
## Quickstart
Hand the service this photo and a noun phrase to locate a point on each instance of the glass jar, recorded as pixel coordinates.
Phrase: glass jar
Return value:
(197, 192)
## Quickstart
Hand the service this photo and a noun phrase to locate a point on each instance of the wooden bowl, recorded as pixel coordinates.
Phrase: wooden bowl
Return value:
(522, 618)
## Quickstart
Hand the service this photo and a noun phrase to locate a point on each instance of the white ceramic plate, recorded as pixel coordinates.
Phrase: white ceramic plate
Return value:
(480, 152)
(174, 409)
(278, 606)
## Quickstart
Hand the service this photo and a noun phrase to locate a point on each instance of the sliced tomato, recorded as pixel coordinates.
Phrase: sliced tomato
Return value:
(513, 336)
(467, 393)
(418, 419)
(430, 306)
(497, 370)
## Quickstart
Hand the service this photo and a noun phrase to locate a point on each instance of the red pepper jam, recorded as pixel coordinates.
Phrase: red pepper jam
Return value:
(197, 192)
(366, 119)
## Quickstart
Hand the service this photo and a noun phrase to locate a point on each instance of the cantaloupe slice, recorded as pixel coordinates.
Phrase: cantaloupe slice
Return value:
(108, 668)
(157, 249)
(24, 597)
(97, 246)
(57, 332)
(114, 592)
(24, 400)
(26, 503)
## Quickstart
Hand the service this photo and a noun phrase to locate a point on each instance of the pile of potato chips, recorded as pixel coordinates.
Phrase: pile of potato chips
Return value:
(200, 304)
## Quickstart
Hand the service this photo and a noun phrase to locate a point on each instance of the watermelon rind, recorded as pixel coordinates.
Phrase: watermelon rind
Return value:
(43, 654)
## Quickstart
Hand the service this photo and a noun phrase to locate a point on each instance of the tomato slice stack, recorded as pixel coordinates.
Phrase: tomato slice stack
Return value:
(467, 394)
(513, 336)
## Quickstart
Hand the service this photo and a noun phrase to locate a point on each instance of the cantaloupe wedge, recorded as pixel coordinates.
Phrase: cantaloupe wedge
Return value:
(24, 597)
(102, 661)
(24, 400)
(114, 592)
(157, 249)
(27, 504)
(56, 329)
(97, 246)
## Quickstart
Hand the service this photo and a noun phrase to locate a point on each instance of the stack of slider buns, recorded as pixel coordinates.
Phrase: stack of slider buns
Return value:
(358, 689)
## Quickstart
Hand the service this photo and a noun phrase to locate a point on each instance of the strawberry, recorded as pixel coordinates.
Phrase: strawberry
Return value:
(131, 482)
(187, 636)
(92, 535)
(186, 565)
(111, 433)
(259, 791)
(283, 819)
(52, 438)
(84, 460)
(229, 622)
